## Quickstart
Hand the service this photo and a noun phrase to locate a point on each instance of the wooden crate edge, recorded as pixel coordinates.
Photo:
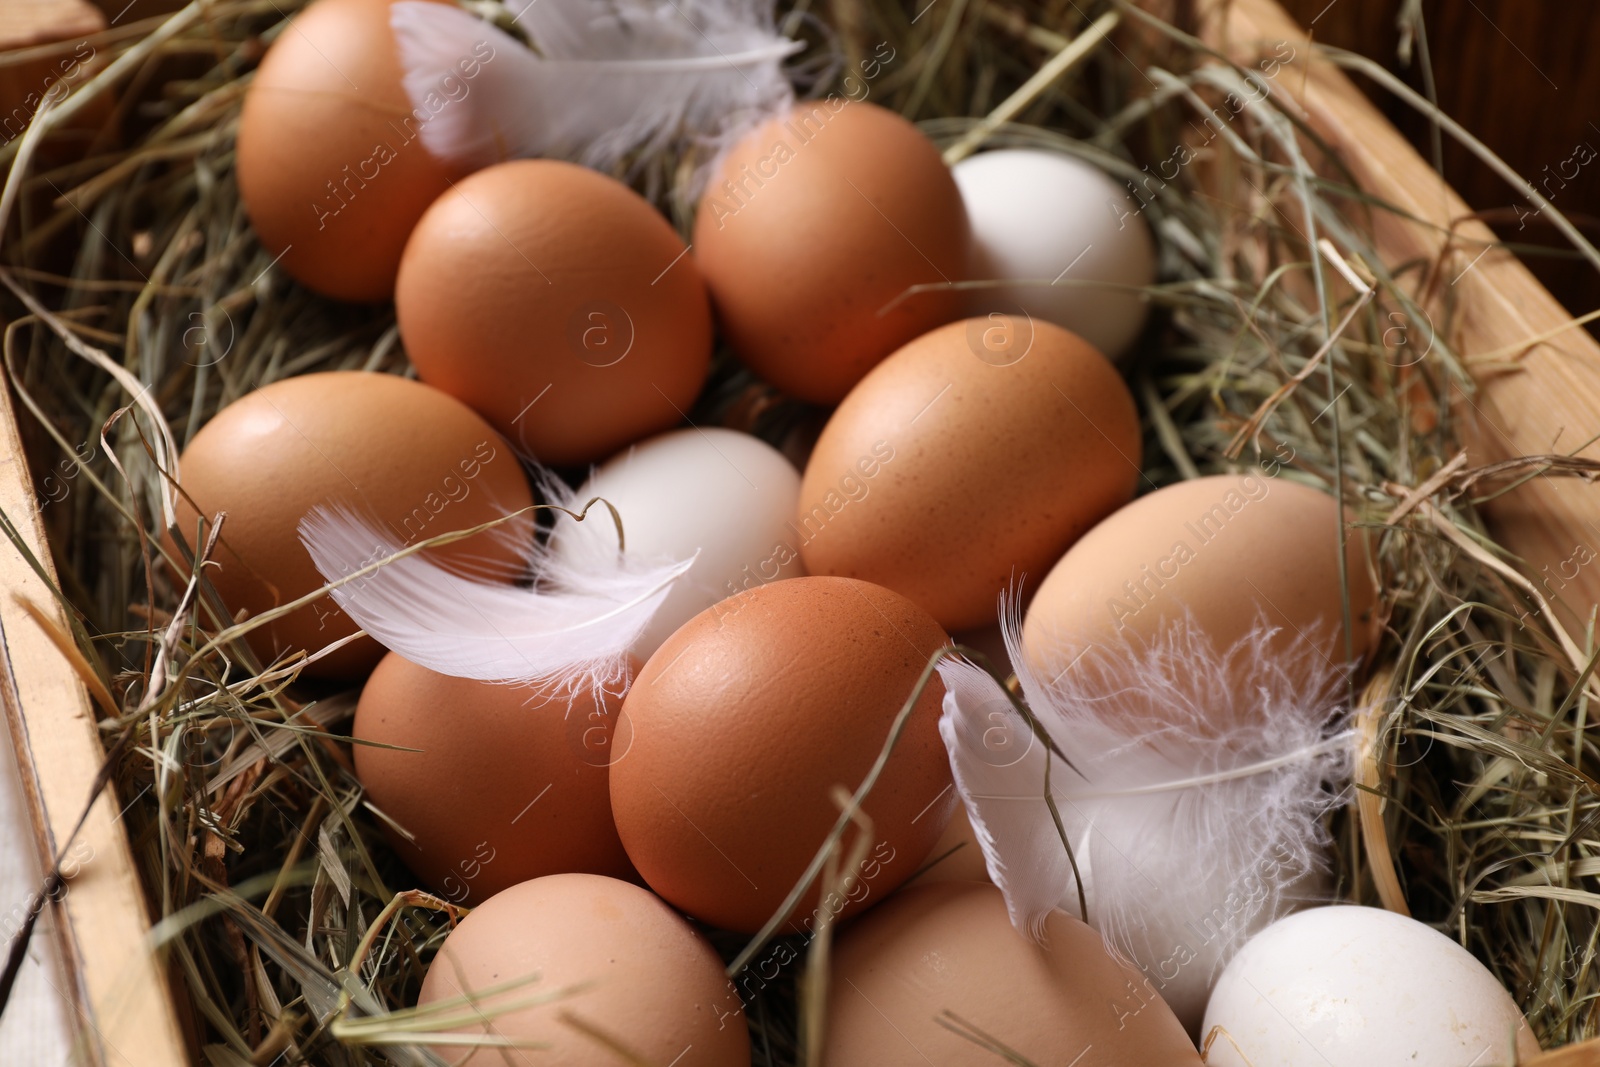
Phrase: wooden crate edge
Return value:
(117, 985)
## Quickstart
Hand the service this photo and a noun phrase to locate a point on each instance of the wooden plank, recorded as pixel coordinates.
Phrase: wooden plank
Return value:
(116, 985)
(1553, 403)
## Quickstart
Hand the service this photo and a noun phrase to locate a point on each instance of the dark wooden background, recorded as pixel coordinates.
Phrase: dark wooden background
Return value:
(1520, 74)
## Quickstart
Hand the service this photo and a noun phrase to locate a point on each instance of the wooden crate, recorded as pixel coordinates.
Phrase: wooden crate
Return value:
(117, 986)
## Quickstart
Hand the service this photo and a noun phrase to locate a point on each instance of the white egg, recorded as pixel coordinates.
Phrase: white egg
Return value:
(725, 494)
(1069, 237)
(1361, 987)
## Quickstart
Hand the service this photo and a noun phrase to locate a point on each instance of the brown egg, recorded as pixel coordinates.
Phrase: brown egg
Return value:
(812, 232)
(628, 980)
(1226, 551)
(955, 468)
(331, 168)
(558, 303)
(495, 784)
(744, 722)
(948, 951)
(386, 447)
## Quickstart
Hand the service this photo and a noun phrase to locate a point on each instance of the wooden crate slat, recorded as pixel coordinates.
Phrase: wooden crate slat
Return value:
(117, 986)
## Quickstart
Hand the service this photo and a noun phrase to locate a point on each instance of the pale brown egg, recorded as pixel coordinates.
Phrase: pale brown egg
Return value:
(812, 235)
(938, 959)
(387, 448)
(331, 167)
(560, 305)
(971, 458)
(1228, 552)
(618, 969)
(743, 724)
(491, 784)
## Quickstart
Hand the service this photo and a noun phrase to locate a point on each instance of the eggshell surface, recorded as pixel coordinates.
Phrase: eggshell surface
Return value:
(389, 449)
(813, 231)
(1226, 551)
(745, 721)
(1066, 234)
(635, 975)
(948, 950)
(331, 167)
(557, 303)
(994, 454)
(1353, 987)
(726, 495)
(494, 784)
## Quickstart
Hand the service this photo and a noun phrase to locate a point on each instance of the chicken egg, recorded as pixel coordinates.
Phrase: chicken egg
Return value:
(969, 458)
(1348, 986)
(331, 165)
(490, 784)
(1226, 552)
(937, 973)
(608, 966)
(830, 237)
(723, 494)
(399, 452)
(557, 303)
(745, 722)
(1065, 235)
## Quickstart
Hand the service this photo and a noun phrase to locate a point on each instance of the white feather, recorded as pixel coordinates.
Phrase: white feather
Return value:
(570, 628)
(607, 78)
(1188, 839)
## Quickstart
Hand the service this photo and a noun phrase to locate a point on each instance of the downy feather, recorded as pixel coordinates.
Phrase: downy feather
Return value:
(605, 79)
(569, 628)
(1188, 838)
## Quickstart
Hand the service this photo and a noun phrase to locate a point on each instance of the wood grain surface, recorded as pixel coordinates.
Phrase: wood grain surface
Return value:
(116, 986)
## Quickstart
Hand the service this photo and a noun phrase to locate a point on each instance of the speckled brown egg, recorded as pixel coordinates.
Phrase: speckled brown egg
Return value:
(417, 461)
(813, 235)
(943, 958)
(1229, 552)
(331, 168)
(559, 304)
(489, 784)
(972, 457)
(615, 967)
(744, 723)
